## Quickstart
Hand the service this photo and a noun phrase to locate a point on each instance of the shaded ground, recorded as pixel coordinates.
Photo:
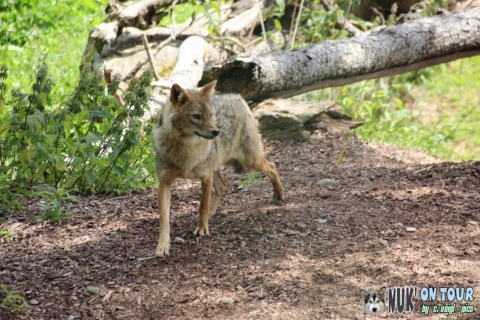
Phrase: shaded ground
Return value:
(305, 259)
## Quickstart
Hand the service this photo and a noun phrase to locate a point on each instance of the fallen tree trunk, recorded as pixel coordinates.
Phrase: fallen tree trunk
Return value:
(393, 50)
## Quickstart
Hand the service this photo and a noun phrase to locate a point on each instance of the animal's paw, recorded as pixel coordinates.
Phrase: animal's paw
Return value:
(201, 231)
(277, 197)
(162, 248)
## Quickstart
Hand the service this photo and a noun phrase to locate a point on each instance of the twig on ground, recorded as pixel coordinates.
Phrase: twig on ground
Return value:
(234, 40)
(253, 42)
(424, 169)
(146, 258)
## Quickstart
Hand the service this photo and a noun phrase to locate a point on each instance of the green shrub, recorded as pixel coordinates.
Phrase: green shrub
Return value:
(90, 143)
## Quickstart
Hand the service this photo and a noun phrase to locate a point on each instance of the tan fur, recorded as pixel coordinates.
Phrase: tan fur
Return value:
(186, 146)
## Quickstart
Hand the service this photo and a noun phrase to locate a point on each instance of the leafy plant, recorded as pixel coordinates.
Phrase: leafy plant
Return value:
(52, 208)
(250, 178)
(89, 143)
(7, 233)
(318, 24)
(12, 299)
(429, 8)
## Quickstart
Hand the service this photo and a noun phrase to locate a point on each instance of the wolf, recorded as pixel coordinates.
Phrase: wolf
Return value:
(196, 134)
(374, 302)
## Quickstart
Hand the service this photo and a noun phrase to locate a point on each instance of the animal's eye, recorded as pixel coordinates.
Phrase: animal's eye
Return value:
(196, 117)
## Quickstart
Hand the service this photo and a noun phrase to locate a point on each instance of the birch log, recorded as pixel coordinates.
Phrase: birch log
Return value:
(395, 49)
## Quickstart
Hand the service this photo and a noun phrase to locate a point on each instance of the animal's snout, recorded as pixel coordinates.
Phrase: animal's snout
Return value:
(215, 132)
(374, 309)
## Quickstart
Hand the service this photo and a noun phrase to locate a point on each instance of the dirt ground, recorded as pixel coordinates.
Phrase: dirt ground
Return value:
(307, 258)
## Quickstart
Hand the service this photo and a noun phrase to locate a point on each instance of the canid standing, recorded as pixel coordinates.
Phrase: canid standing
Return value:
(195, 135)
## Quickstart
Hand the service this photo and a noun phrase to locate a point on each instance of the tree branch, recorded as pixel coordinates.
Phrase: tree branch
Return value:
(150, 57)
(393, 50)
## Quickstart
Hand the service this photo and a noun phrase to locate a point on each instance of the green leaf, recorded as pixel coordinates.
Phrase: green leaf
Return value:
(281, 4)
(25, 192)
(90, 4)
(93, 137)
(118, 170)
(59, 161)
(81, 115)
(101, 114)
(278, 25)
(90, 177)
(215, 6)
(114, 153)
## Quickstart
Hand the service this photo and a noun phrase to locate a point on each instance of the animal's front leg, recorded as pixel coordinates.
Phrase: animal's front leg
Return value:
(164, 195)
(202, 225)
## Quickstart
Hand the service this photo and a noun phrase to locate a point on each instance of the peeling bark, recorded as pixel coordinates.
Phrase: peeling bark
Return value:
(393, 50)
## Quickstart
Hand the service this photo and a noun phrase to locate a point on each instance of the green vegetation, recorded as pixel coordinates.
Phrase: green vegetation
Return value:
(434, 110)
(87, 143)
(46, 31)
(52, 209)
(250, 178)
(451, 102)
(12, 299)
(7, 233)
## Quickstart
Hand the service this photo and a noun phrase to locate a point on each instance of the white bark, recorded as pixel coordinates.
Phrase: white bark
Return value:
(393, 50)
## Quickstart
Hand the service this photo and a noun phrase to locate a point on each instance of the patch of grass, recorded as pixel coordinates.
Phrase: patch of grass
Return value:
(452, 96)
(395, 110)
(12, 299)
(46, 31)
(250, 178)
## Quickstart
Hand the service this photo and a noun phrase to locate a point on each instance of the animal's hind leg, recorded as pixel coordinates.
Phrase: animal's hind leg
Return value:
(271, 171)
(219, 187)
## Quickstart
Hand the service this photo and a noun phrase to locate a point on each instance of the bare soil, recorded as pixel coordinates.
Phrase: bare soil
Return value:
(307, 258)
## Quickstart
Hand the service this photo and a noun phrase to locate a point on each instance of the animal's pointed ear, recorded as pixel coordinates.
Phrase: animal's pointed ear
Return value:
(382, 292)
(209, 89)
(178, 96)
(364, 294)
